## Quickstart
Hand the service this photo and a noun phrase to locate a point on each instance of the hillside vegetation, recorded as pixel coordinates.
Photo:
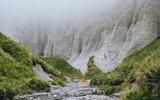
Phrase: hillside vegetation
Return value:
(93, 70)
(138, 76)
(60, 64)
(16, 73)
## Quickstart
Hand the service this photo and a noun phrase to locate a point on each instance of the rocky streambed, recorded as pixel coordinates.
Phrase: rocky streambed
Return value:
(73, 90)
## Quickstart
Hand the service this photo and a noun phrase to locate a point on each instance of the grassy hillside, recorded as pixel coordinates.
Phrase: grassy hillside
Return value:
(93, 70)
(138, 76)
(63, 66)
(16, 74)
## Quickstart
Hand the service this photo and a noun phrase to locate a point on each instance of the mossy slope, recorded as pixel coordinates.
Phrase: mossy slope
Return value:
(16, 73)
(63, 66)
(93, 70)
(139, 73)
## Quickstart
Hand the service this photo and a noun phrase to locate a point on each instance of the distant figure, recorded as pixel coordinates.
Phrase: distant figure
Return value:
(84, 80)
(94, 82)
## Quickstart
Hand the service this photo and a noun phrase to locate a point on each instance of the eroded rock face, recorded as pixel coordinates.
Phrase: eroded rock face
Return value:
(135, 27)
(130, 25)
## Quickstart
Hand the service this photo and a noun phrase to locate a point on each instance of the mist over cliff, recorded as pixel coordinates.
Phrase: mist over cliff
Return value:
(109, 30)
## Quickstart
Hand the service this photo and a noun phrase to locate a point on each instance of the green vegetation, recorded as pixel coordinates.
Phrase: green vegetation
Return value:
(139, 72)
(38, 85)
(16, 73)
(93, 70)
(63, 66)
(136, 95)
(24, 56)
(16, 78)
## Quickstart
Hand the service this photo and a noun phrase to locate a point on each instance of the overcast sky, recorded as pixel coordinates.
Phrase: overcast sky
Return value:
(21, 11)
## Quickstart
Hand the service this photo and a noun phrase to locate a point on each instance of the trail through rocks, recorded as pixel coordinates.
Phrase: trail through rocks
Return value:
(73, 90)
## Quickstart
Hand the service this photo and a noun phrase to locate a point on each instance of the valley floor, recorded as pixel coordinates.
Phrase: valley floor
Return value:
(73, 90)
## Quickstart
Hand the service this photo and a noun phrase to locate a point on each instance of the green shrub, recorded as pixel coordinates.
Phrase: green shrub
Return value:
(58, 81)
(63, 66)
(136, 95)
(93, 70)
(109, 90)
(38, 85)
(6, 93)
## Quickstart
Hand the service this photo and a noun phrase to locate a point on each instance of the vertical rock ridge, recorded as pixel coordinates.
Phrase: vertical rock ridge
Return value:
(130, 25)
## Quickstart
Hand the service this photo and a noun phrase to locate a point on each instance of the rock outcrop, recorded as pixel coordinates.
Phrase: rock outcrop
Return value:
(130, 25)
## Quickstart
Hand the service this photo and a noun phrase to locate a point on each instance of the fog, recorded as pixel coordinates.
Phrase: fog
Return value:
(20, 12)
(76, 30)
(72, 29)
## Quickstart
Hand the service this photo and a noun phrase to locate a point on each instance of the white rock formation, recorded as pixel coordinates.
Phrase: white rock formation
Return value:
(130, 25)
(40, 73)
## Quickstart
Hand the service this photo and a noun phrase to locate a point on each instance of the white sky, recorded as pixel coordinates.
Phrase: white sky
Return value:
(21, 11)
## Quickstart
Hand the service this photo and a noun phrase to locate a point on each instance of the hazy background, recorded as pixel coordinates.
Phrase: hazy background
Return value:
(15, 13)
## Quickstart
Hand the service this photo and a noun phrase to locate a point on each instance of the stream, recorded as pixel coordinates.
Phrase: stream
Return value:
(73, 90)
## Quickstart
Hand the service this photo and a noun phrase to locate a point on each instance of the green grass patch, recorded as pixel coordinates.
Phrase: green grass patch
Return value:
(63, 66)
(141, 68)
(136, 95)
(93, 70)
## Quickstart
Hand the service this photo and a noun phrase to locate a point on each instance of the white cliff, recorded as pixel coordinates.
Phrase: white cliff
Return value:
(109, 37)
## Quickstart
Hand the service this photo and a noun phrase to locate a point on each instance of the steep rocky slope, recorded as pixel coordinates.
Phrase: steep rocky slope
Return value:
(130, 24)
